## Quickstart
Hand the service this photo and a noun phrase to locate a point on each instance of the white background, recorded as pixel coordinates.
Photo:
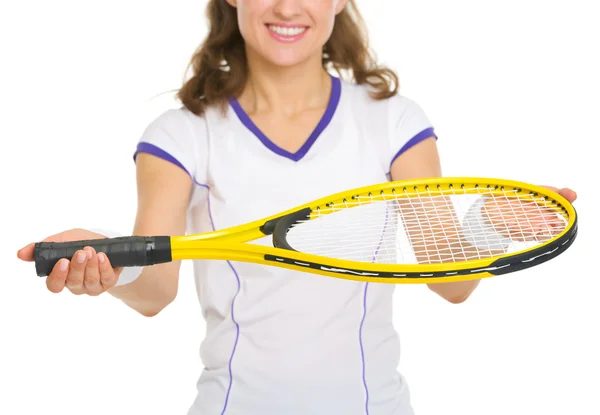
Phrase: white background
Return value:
(512, 88)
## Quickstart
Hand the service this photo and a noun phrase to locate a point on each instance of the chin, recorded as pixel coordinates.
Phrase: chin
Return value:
(289, 58)
(286, 62)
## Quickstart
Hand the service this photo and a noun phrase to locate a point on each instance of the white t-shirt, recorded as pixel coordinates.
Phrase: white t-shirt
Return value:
(282, 342)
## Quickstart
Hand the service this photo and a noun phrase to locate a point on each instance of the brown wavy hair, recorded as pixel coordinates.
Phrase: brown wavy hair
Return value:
(220, 68)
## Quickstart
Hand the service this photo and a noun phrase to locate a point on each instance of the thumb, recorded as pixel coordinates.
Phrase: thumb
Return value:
(26, 253)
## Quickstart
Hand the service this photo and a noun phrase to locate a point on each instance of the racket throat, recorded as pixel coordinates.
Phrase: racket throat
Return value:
(280, 226)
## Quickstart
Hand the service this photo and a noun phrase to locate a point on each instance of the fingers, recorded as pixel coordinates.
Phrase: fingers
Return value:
(524, 220)
(108, 277)
(58, 277)
(76, 273)
(87, 273)
(91, 278)
(567, 193)
(552, 188)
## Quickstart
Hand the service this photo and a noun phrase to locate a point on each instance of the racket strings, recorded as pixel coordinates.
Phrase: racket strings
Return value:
(423, 227)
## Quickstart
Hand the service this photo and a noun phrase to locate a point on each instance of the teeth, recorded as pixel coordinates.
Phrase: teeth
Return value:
(287, 31)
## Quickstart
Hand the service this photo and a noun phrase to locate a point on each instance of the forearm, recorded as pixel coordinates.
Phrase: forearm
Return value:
(423, 161)
(445, 239)
(455, 292)
(163, 196)
(154, 289)
(148, 290)
(448, 245)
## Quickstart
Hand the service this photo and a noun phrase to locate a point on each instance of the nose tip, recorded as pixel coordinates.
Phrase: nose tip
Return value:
(287, 8)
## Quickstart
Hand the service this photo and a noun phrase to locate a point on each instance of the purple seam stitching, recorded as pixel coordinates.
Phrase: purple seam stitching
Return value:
(155, 150)
(362, 351)
(237, 335)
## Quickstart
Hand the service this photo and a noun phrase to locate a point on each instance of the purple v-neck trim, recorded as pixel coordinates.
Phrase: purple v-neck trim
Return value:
(334, 99)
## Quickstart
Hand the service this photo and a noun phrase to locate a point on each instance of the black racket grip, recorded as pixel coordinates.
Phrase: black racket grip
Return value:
(123, 251)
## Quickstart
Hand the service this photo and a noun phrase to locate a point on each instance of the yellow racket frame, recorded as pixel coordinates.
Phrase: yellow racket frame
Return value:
(231, 244)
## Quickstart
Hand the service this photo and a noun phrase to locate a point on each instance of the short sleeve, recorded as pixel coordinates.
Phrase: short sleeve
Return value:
(409, 126)
(177, 138)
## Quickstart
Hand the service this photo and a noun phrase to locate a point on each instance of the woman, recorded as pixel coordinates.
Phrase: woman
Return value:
(264, 127)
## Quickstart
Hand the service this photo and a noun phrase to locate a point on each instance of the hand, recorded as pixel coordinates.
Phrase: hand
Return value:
(565, 192)
(88, 272)
(523, 220)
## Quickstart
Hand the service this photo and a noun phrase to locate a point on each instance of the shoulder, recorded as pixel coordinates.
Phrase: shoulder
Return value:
(397, 122)
(179, 136)
(363, 105)
(176, 121)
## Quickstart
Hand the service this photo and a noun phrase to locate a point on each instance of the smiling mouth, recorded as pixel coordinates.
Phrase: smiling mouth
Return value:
(287, 32)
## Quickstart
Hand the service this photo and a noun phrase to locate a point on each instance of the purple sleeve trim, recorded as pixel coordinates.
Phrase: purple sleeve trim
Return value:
(423, 135)
(144, 147)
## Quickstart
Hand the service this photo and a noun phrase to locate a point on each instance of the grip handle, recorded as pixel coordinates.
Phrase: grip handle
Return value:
(122, 251)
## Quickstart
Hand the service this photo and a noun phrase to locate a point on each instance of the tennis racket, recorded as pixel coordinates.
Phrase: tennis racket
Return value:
(417, 231)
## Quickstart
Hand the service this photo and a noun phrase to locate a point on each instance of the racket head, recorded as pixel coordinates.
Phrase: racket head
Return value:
(354, 235)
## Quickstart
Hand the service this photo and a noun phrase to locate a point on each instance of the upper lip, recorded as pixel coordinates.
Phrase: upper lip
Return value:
(284, 24)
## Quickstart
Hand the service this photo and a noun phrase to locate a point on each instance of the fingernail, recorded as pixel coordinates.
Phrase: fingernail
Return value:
(101, 258)
(81, 257)
(63, 265)
(89, 253)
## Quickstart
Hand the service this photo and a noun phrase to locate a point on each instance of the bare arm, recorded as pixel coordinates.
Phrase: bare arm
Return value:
(421, 161)
(163, 196)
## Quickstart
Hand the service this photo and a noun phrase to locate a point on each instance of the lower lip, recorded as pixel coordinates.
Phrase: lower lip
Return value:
(286, 39)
